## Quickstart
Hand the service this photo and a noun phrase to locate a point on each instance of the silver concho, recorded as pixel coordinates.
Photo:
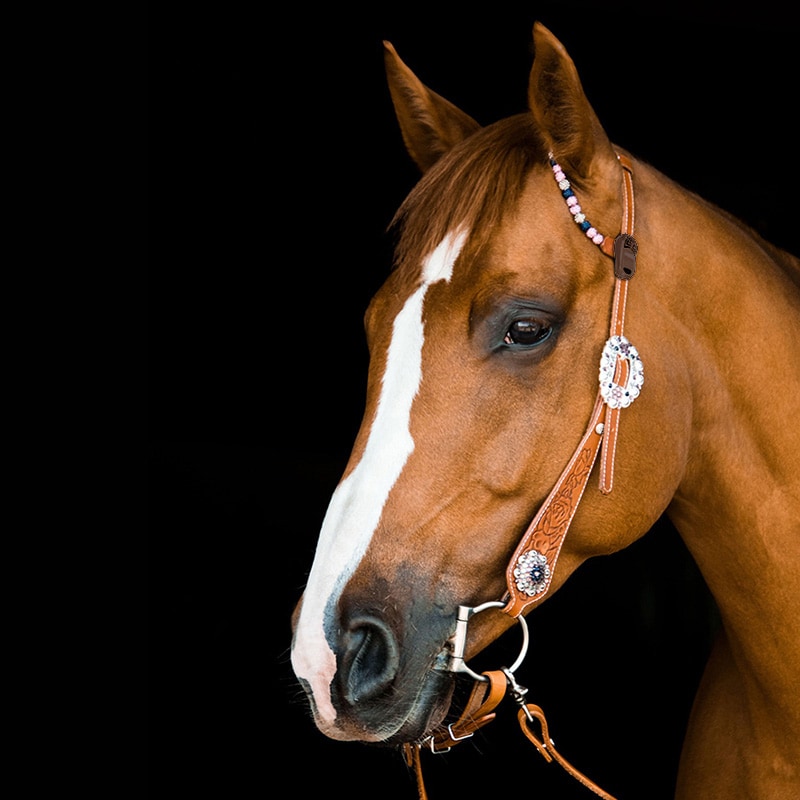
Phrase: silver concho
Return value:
(532, 573)
(617, 396)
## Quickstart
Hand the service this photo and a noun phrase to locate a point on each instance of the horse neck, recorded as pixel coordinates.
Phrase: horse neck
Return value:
(735, 315)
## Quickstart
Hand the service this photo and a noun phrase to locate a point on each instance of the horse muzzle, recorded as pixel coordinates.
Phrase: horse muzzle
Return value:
(381, 687)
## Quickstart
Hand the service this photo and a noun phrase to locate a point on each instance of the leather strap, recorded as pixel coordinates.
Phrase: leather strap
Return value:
(611, 421)
(479, 711)
(547, 748)
(414, 761)
(549, 527)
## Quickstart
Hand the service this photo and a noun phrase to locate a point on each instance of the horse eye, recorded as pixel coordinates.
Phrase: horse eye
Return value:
(527, 332)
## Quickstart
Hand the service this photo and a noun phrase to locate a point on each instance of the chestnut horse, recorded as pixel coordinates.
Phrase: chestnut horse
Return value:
(486, 438)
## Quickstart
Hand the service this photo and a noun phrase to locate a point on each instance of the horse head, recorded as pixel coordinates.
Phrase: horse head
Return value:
(484, 348)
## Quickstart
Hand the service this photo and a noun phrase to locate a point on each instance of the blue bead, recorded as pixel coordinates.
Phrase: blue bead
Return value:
(585, 225)
(567, 193)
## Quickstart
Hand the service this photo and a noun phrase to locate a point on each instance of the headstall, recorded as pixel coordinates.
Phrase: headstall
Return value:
(530, 570)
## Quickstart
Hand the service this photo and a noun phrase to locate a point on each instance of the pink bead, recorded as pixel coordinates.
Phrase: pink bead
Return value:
(599, 239)
(572, 201)
(576, 209)
(559, 175)
(591, 233)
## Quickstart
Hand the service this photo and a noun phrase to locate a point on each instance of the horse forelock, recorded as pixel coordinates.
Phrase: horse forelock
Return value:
(470, 188)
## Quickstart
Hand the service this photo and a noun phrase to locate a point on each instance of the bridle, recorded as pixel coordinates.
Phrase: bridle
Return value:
(530, 570)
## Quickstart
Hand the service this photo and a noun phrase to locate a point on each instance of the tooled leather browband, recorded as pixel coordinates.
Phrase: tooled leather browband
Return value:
(531, 568)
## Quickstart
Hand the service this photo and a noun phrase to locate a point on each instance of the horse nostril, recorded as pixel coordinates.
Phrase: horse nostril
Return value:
(370, 660)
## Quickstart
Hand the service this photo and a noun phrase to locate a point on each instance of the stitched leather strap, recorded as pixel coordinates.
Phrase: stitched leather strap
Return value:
(546, 532)
(617, 326)
(611, 421)
(549, 527)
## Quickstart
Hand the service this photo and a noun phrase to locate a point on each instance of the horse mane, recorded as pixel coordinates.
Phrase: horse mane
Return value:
(471, 186)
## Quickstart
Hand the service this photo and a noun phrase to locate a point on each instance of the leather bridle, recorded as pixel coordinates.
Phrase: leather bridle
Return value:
(530, 570)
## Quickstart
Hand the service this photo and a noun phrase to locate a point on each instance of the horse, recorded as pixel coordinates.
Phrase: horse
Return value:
(569, 345)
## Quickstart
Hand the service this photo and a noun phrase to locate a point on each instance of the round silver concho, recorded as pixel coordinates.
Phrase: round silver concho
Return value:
(532, 574)
(616, 396)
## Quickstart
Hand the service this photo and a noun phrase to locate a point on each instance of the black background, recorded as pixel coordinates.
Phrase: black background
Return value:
(275, 167)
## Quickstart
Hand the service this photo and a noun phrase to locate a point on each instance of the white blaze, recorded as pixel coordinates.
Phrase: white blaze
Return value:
(357, 504)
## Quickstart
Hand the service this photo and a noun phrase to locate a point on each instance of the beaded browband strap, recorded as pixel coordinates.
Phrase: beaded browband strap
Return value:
(530, 570)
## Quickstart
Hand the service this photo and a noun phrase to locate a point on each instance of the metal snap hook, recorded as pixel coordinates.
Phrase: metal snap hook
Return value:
(459, 640)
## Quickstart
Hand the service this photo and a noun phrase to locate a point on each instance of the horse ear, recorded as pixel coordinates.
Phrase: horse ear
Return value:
(557, 101)
(430, 124)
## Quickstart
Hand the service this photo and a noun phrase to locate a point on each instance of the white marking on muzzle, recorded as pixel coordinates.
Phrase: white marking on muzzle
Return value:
(357, 504)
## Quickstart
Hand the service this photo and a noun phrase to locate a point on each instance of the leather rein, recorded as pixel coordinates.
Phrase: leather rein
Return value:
(530, 570)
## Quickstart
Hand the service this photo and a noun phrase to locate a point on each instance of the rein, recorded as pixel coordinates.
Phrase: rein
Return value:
(530, 570)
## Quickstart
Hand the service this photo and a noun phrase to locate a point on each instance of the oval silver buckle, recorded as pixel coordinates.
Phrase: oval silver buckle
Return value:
(614, 394)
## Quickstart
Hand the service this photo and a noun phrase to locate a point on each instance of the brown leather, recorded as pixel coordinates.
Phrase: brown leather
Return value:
(627, 208)
(413, 760)
(627, 183)
(608, 246)
(549, 527)
(478, 711)
(611, 421)
(617, 328)
(547, 748)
